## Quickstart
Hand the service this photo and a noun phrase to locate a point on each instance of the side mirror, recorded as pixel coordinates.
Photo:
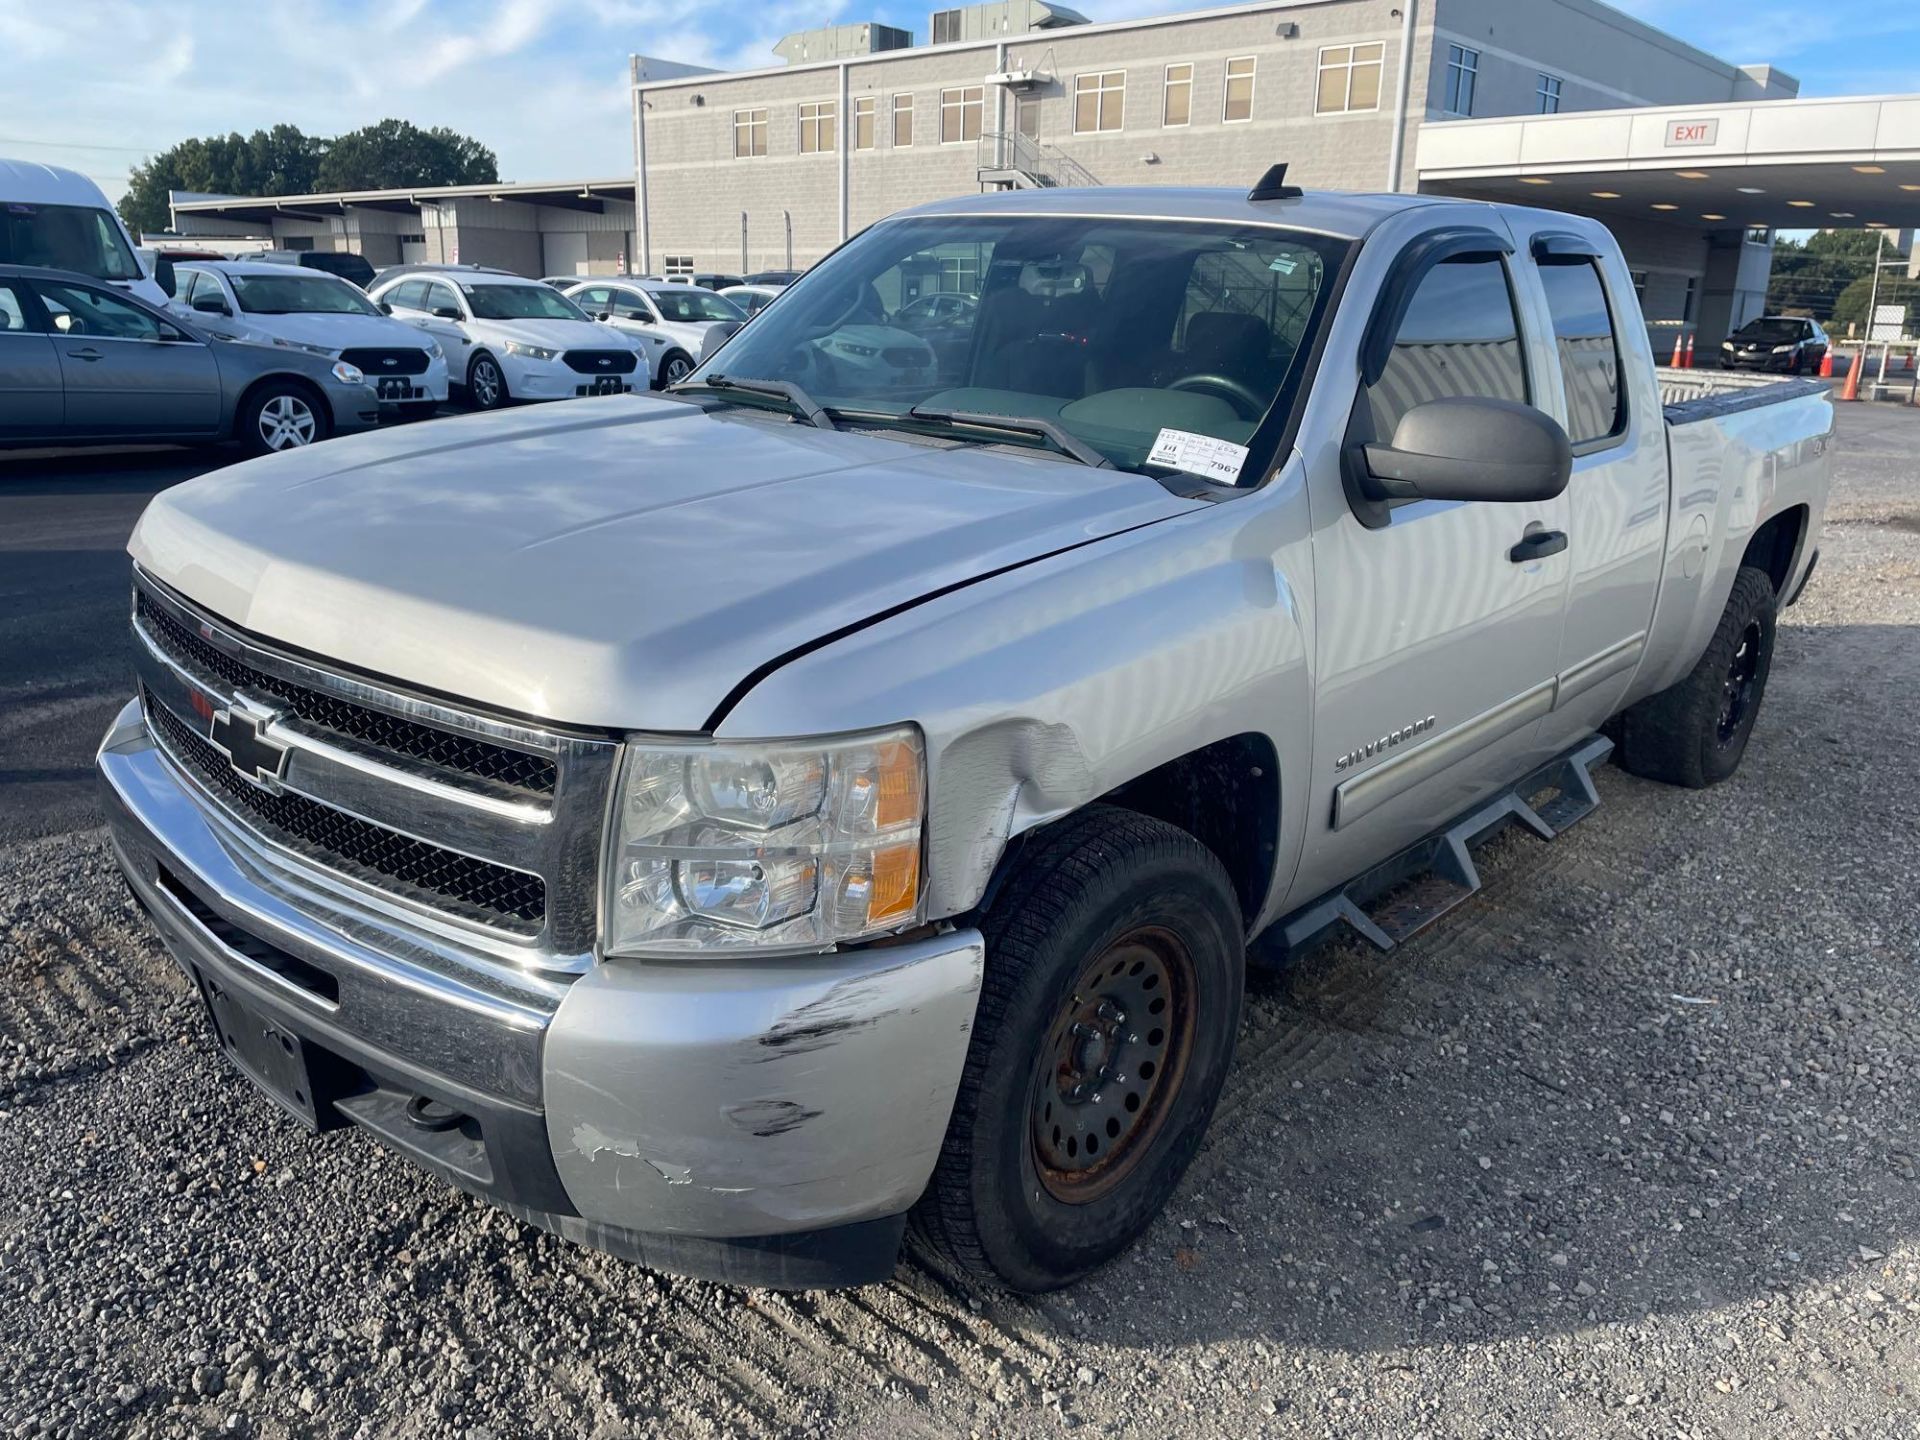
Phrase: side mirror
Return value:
(386, 307)
(212, 305)
(445, 312)
(604, 315)
(1470, 449)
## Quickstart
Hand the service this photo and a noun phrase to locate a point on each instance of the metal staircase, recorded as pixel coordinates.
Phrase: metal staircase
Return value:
(1008, 160)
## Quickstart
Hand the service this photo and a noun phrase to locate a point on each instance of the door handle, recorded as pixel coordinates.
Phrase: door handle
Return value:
(87, 354)
(1537, 546)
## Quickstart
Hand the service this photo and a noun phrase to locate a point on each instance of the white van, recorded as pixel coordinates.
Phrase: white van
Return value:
(59, 219)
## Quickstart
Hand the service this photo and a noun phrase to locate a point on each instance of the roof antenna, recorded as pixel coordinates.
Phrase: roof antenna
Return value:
(1273, 185)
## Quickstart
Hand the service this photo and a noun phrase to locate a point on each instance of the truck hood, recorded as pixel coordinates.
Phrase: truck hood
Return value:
(621, 563)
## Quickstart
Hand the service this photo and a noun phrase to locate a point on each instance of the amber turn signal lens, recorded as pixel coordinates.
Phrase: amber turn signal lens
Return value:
(896, 883)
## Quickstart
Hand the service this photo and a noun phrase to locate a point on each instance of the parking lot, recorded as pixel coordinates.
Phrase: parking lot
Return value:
(1626, 1147)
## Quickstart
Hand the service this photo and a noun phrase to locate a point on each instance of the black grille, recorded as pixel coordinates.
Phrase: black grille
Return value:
(601, 362)
(462, 753)
(359, 848)
(387, 362)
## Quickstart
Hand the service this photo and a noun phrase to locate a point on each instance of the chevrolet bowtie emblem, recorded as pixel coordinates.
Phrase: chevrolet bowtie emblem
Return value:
(242, 739)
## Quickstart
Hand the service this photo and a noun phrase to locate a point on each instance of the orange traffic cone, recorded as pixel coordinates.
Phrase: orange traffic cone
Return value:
(1851, 390)
(1679, 354)
(1826, 363)
(1686, 359)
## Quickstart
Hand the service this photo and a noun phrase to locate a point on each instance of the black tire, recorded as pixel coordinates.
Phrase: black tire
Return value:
(1695, 732)
(486, 383)
(1104, 885)
(282, 415)
(675, 366)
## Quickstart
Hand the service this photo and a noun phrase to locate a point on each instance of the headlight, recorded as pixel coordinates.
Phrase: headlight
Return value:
(1726, 344)
(777, 845)
(348, 374)
(434, 351)
(530, 352)
(1782, 349)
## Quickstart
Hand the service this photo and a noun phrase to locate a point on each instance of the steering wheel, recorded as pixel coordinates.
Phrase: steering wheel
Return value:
(1240, 396)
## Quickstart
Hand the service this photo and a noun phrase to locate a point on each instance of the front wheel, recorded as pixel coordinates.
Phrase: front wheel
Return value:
(1695, 732)
(675, 366)
(1106, 1024)
(282, 415)
(486, 383)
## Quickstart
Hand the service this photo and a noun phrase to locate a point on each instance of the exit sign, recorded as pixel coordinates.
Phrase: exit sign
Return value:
(1692, 132)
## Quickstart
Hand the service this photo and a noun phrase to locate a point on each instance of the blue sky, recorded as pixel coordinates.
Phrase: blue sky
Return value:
(97, 84)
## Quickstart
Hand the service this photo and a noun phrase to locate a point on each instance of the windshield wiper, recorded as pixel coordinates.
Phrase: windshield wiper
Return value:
(1061, 438)
(803, 404)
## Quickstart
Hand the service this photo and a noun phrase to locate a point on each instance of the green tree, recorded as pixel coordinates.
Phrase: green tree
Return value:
(1815, 276)
(397, 152)
(285, 161)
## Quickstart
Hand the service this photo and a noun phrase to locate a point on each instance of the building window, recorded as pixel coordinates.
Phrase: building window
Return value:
(863, 123)
(1463, 69)
(1548, 94)
(1349, 78)
(960, 114)
(946, 26)
(902, 121)
(816, 127)
(1686, 306)
(1589, 350)
(749, 133)
(1759, 235)
(1239, 102)
(1099, 102)
(683, 264)
(1177, 108)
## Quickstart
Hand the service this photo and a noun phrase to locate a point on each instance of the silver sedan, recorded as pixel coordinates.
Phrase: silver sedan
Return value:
(83, 362)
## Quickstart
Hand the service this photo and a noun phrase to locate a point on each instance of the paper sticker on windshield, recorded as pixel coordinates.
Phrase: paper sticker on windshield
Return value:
(1201, 455)
(1284, 265)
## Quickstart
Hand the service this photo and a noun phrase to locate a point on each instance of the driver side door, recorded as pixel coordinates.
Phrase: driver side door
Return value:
(1437, 622)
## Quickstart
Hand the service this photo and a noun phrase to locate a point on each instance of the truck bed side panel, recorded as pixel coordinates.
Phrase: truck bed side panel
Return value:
(1735, 462)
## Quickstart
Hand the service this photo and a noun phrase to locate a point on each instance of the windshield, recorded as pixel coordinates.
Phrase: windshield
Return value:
(66, 237)
(298, 294)
(1771, 332)
(695, 305)
(520, 302)
(1121, 332)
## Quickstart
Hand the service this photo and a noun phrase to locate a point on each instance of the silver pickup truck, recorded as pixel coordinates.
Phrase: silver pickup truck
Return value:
(726, 826)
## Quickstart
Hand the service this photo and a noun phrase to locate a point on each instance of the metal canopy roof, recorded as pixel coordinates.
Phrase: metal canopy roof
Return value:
(584, 195)
(1790, 164)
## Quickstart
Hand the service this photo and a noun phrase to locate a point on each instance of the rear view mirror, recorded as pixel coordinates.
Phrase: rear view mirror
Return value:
(1470, 449)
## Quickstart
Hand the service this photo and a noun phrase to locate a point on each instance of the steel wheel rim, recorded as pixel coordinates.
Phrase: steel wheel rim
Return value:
(286, 423)
(1736, 693)
(486, 383)
(1111, 1065)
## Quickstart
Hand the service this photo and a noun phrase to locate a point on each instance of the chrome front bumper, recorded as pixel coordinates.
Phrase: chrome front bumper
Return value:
(762, 1124)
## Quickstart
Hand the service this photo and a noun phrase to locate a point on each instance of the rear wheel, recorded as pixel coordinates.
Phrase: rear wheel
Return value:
(282, 415)
(1695, 732)
(1115, 964)
(486, 383)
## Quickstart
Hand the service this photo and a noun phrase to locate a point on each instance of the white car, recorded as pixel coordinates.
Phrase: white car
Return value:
(309, 310)
(752, 298)
(509, 338)
(686, 316)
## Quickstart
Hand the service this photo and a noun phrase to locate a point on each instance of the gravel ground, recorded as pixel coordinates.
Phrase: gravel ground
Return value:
(1626, 1147)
